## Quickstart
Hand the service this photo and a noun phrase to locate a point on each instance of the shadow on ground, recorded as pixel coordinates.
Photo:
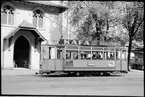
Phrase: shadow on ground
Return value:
(48, 75)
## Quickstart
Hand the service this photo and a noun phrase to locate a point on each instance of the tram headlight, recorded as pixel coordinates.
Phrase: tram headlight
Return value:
(111, 64)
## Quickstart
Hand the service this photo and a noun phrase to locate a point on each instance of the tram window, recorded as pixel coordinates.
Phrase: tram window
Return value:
(75, 55)
(59, 54)
(117, 55)
(45, 52)
(97, 55)
(85, 54)
(68, 55)
(121, 55)
(49, 52)
(52, 53)
(109, 55)
(82, 55)
(71, 55)
(124, 55)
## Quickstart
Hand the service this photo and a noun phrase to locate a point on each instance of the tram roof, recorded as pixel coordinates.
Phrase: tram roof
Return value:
(70, 45)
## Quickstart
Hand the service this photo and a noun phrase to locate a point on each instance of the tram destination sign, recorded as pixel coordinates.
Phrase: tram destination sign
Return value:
(87, 43)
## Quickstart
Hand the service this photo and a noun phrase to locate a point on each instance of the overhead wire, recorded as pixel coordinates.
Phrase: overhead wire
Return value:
(62, 25)
(59, 24)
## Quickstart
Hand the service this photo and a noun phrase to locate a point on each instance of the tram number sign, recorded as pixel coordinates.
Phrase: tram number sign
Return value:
(91, 64)
(111, 64)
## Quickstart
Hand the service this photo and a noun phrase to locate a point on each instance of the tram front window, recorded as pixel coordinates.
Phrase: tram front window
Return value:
(59, 53)
(45, 52)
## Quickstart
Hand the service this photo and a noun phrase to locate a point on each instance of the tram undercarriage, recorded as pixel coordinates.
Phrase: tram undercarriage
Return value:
(80, 73)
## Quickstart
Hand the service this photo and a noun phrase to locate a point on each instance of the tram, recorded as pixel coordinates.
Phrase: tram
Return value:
(73, 58)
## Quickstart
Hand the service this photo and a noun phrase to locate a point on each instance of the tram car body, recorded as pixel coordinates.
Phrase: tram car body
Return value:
(74, 59)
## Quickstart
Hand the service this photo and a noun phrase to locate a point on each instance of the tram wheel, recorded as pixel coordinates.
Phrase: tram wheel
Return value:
(36, 73)
(86, 74)
(41, 73)
(82, 74)
(101, 73)
(77, 74)
(93, 74)
(107, 74)
(69, 73)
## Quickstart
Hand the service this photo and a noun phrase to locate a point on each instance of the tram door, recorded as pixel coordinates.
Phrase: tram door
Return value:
(124, 60)
(52, 58)
(121, 60)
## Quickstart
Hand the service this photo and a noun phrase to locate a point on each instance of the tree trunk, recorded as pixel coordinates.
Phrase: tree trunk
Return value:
(129, 51)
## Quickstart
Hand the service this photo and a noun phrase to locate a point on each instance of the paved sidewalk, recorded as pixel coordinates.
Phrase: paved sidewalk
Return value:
(18, 71)
(134, 72)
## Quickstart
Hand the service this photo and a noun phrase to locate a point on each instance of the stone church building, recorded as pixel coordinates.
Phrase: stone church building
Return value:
(25, 26)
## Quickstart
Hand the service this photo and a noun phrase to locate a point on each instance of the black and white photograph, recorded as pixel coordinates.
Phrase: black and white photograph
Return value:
(72, 48)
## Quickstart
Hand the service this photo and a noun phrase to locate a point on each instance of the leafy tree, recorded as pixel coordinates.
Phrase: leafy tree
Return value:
(119, 21)
(140, 35)
(91, 18)
(132, 21)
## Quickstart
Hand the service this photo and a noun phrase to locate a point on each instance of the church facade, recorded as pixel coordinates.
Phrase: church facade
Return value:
(25, 26)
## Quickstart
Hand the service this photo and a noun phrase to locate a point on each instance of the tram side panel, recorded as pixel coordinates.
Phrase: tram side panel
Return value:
(90, 65)
(46, 64)
(121, 62)
(59, 64)
(49, 65)
(53, 65)
(118, 65)
(124, 61)
(124, 65)
(49, 61)
(44, 58)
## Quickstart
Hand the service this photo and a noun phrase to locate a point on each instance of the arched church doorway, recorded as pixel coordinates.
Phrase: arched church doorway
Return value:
(22, 52)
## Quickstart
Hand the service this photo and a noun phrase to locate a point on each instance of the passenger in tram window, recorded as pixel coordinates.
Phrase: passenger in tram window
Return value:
(94, 56)
(111, 56)
(67, 56)
(75, 56)
(107, 56)
(89, 56)
(85, 56)
(81, 56)
(98, 56)
(101, 55)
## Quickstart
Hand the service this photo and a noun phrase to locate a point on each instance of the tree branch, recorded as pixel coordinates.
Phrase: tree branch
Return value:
(137, 28)
(134, 22)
